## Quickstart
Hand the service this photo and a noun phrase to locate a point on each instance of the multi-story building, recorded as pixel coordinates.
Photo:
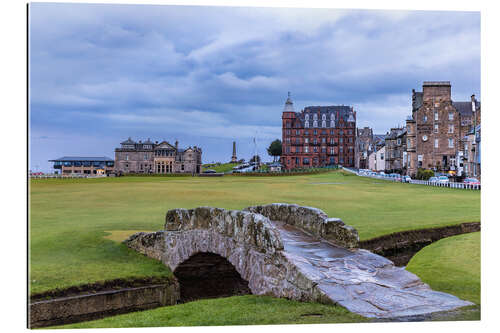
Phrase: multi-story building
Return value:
(318, 136)
(377, 159)
(436, 128)
(364, 147)
(162, 158)
(83, 165)
(472, 153)
(395, 150)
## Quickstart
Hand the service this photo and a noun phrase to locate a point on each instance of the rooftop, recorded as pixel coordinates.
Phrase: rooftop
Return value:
(82, 159)
(436, 83)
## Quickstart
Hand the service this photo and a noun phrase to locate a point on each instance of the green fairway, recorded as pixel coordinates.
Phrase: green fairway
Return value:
(220, 168)
(452, 265)
(236, 310)
(70, 219)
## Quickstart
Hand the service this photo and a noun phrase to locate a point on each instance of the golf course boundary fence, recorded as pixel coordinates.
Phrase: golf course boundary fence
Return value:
(421, 182)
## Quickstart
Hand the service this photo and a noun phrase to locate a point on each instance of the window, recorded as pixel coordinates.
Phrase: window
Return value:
(450, 116)
(331, 150)
(436, 117)
(315, 132)
(315, 123)
(288, 132)
(315, 117)
(315, 149)
(306, 124)
(323, 123)
(323, 140)
(331, 141)
(297, 132)
(126, 157)
(145, 157)
(425, 119)
(399, 142)
(306, 132)
(408, 143)
(341, 149)
(332, 132)
(341, 140)
(306, 160)
(450, 143)
(436, 143)
(306, 140)
(332, 124)
(450, 128)
(307, 116)
(306, 149)
(323, 117)
(436, 128)
(315, 141)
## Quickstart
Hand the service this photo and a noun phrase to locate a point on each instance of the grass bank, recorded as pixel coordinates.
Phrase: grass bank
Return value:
(452, 265)
(236, 310)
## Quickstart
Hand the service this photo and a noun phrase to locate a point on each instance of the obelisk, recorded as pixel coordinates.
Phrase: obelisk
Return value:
(234, 159)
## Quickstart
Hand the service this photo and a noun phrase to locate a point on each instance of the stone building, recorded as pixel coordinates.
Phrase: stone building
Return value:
(318, 136)
(161, 158)
(395, 150)
(437, 127)
(364, 147)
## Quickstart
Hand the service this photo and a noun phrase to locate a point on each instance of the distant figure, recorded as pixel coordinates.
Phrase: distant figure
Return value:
(234, 159)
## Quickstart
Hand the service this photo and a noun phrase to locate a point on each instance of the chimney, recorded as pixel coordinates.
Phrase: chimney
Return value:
(473, 102)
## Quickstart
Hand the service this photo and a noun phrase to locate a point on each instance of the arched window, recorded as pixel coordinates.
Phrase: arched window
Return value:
(307, 116)
(332, 123)
(315, 123)
(315, 117)
(306, 124)
(323, 123)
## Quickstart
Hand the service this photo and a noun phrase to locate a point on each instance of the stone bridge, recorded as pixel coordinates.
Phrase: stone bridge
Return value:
(286, 251)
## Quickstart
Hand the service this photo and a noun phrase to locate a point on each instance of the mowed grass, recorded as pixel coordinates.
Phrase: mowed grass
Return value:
(70, 219)
(236, 310)
(452, 265)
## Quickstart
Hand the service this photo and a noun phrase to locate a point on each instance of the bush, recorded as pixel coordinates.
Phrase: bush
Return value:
(424, 174)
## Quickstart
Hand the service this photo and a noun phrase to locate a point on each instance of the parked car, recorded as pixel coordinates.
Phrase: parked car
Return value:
(443, 180)
(472, 181)
(406, 179)
(433, 179)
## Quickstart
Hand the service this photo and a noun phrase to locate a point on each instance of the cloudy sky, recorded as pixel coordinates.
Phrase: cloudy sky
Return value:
(209, 75)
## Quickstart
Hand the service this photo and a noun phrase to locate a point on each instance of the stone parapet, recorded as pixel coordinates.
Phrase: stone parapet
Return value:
(311, 220)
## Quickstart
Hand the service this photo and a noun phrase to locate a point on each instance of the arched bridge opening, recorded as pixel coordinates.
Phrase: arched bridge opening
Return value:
(208, 275)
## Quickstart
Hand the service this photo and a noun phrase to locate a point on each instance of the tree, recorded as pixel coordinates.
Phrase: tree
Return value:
(255, 158)
(275, 149)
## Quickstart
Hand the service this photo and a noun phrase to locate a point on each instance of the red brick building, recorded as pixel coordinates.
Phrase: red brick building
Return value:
(318, 136)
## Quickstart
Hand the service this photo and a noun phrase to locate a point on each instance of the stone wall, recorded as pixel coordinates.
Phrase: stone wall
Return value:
(65, 310)
(311, 220)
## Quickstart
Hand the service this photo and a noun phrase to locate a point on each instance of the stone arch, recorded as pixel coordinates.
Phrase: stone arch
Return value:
(207, 275)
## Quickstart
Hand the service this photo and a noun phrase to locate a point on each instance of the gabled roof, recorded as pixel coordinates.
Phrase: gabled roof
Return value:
(82, 159)
(465, 108)
(164, 145)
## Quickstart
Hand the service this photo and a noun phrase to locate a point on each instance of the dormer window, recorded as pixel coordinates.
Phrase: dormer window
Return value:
(307, 116)
(315, 117)
(323, 123)
(332, 123)
(315, 123)
(306, 124)
(323, 117)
